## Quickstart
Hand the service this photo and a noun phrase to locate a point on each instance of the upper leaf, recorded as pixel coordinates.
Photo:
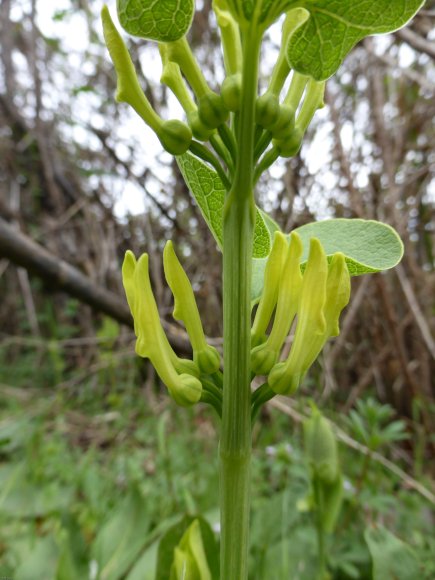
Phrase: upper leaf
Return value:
(162, 20)
(264, 11)
(369, 246)
(209, 192)
(319, 46)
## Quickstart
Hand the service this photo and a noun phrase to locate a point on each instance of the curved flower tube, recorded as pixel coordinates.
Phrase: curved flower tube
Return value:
(325, 291)
(264, 356)
(272, 276)
(151, 342)
(186, 310)
(174, 135)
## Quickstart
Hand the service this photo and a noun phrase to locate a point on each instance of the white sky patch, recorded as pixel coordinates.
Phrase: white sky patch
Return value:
(317, 152)
(137, 145)
(346, 135)
(131, 201)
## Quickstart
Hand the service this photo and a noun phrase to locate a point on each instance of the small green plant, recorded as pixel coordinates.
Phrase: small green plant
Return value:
(325, 500)
(230, 136)
(371, 423)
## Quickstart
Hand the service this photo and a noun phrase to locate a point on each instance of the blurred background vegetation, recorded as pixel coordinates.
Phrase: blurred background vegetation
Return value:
(96, 463)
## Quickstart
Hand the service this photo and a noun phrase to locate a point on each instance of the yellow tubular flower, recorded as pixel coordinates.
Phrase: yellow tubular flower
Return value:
(272, 277)
(311, 324)
(151, 340)
(318, 316)
(264, 356)
(205, 356)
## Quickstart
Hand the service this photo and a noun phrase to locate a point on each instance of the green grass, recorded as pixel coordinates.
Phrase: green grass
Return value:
(92, 475)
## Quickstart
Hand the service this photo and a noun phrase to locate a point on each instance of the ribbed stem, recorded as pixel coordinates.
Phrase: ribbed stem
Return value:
(235, 444)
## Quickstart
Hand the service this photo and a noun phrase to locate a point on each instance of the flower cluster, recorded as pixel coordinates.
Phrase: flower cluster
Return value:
(181, 376)
(314, 298)
(311, 297)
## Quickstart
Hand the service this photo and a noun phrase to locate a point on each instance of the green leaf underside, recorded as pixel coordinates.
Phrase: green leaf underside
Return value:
(269, 11)
(162, 20)
(209, 192)
(319, 46)
(368, 246)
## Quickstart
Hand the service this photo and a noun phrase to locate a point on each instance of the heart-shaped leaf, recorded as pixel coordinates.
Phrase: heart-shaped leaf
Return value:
(162, 20)
(269, 10)
(369, 246)
(319, 46)
(209, 192)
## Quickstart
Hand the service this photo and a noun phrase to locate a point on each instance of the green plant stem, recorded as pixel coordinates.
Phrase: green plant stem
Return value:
(262, 144)
(236, 439)
(219, 147)
(211, 400)
(202, 152)
(227, 137)
(210, 387)
(259, 398)
(265, 162)
(321, 552)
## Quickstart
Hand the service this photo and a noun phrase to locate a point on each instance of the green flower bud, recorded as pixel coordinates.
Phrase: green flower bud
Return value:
(187, 391)
(311, 324)
(208, 359)
(325, 292)
(231, 91)
(175, 136)
(205, 356)
(199, 130)
(264, 356)
(272, 276)
(284, 125)
(320, 445)
(212, 110)
(151, 341)
(289, 146)
(267, 110)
